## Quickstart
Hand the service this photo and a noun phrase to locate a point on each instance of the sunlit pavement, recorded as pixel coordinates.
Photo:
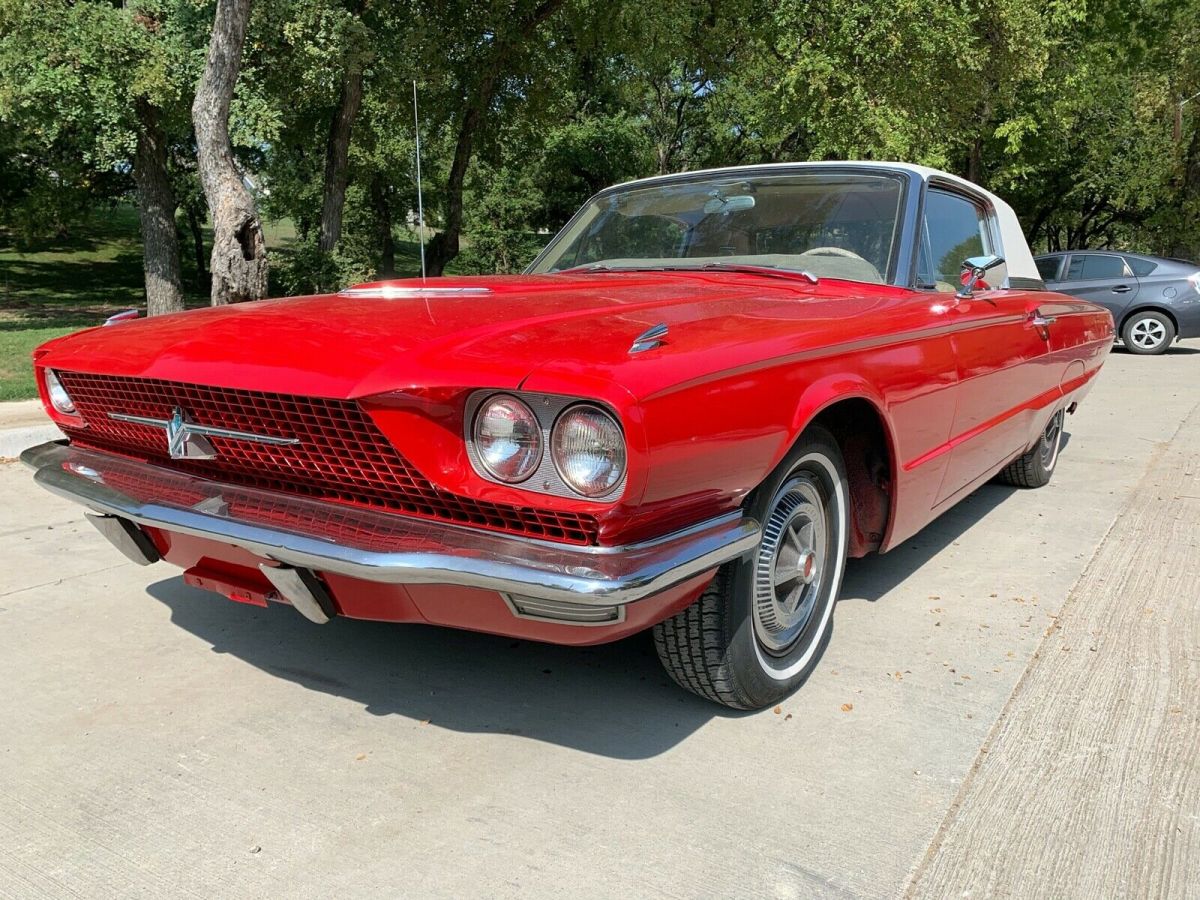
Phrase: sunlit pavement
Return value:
(159, 741)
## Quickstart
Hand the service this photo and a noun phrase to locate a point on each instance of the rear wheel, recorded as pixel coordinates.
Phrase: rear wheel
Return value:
(760, 628)
(1148, 333)
(1035, 468)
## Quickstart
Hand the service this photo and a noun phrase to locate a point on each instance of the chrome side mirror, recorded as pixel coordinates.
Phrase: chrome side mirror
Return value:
(977, 267)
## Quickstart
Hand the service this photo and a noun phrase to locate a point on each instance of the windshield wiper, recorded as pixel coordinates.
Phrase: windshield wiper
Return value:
(768, 271)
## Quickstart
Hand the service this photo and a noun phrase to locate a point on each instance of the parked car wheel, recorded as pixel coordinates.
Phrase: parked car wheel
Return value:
(1035, 467)
(1148, 333)
(760, 628)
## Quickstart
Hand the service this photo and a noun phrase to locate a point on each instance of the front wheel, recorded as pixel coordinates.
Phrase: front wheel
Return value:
(759, 629)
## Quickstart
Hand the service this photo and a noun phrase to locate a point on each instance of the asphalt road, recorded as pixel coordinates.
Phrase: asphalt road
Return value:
(159, 741)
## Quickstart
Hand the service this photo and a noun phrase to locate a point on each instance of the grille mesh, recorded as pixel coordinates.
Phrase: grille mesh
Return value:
(341, 455)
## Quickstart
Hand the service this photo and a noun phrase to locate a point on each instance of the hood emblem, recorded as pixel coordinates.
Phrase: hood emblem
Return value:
(187, 440)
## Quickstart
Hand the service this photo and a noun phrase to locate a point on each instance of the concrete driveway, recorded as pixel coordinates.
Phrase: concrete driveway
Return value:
(985, 721)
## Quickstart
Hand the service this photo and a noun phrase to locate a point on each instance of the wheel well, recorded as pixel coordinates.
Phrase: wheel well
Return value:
(1158, 309)
(859, 430)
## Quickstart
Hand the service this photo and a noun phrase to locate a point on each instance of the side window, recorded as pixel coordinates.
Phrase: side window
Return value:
(1047, 267)
(955, 228)
(1141, 267)
(1088, 266)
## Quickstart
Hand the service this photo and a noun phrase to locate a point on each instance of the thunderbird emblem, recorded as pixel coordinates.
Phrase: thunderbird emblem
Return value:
(187, 440)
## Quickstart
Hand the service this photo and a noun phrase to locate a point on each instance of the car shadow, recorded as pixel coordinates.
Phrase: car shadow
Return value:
(871, 577)
(613, 700)
(1173, 350)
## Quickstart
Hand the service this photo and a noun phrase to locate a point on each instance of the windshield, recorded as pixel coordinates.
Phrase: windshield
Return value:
(832, 225)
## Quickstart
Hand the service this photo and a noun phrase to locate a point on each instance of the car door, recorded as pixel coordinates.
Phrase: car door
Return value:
(1101, 278)
(999, 348)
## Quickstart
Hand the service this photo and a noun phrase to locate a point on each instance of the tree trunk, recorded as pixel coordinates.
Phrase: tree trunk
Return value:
(382, 208)
(337, 173)
(156, 211)
(444, 246)
(196, 227)
(1189, 191)
(239, 254)
(975, 162)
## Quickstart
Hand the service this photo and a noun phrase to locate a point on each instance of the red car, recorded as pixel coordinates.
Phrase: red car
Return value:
(706, 393)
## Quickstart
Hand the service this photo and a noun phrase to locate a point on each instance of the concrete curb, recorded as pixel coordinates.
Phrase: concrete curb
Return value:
(22, 414)
(14, 440)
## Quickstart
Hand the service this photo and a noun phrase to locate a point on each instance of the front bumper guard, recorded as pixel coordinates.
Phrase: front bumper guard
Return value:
(382, 547)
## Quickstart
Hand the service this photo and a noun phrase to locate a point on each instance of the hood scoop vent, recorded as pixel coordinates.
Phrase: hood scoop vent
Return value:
(649, 339)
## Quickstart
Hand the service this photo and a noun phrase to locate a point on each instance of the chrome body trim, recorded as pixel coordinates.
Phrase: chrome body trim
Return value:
(399, 291)
(303, 590)
(649, 339)
(381, 547)
(558, 612)
(126, 537)
(186, 439)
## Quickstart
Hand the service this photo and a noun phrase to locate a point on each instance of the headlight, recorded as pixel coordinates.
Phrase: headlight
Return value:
(508, 438)
(59, 398)
(588, 450)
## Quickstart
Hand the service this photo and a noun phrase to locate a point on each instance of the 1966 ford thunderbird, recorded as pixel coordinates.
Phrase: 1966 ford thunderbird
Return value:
(706, 393)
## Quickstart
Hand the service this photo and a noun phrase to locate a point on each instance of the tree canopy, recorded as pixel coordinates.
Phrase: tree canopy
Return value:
(1072, 109)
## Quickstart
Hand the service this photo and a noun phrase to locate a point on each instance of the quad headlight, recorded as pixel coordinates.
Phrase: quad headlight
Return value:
(588, 450)
(59, 398)
(508, 438)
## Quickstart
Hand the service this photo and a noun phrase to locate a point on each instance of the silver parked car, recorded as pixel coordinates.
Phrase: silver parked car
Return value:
(1153, 301)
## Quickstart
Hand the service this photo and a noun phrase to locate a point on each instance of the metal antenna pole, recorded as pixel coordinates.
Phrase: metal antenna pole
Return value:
(420, 203)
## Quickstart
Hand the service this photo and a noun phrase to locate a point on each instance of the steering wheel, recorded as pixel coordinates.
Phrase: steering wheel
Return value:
(833, 251)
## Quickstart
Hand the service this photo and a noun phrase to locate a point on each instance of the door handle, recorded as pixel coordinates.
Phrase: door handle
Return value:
(1042, 323)
(1122, 289)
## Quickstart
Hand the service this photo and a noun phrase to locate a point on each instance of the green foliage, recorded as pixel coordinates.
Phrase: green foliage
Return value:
(1066, 107)
(71, 75)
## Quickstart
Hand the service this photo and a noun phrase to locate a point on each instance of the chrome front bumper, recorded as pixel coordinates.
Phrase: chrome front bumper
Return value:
(329, 537)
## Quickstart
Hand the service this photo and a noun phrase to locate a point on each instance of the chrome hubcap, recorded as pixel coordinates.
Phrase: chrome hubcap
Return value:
(1148, 333)
(789, 569)
(1050, 440)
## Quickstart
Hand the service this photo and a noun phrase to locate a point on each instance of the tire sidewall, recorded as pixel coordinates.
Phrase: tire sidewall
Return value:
(1140, 316)
(1045, 471)
(761, 677)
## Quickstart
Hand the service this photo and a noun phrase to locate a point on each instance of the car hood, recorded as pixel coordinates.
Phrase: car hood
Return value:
(478, 332)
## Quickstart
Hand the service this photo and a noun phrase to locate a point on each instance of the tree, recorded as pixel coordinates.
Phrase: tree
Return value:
(239, 254)
(156, 210)
(92, 91)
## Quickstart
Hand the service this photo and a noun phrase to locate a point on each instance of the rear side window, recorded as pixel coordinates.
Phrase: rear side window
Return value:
(1086, 266)
(1141, 267)
(955, 229)
(1047, 267)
